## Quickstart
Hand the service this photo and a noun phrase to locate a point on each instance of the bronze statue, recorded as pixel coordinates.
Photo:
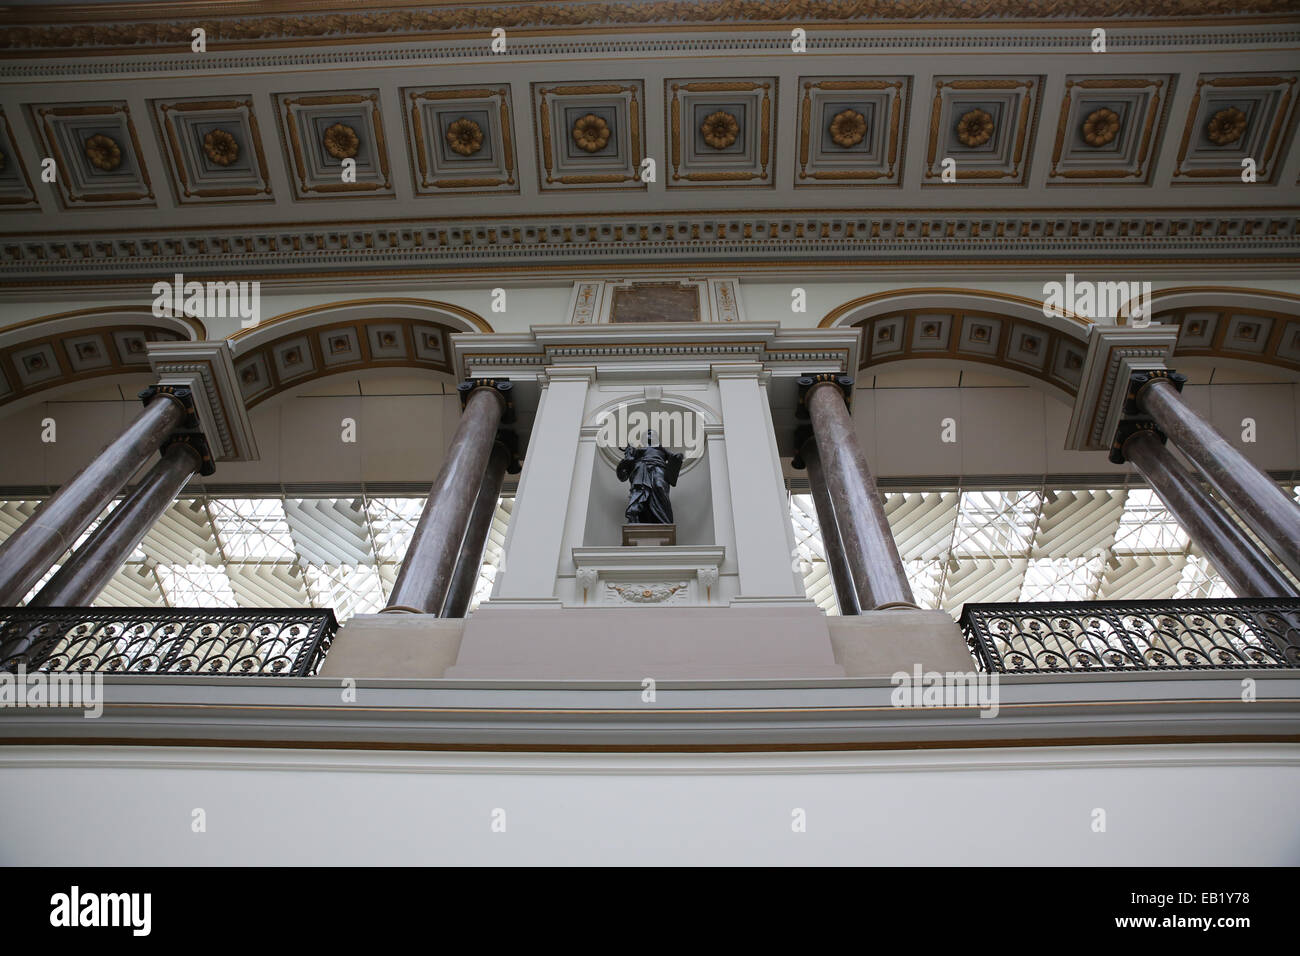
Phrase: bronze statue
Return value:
(651, 471)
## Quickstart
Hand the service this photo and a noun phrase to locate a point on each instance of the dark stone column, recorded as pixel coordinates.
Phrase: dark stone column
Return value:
(832, 542)
(470, 561)
(1228, 548)
(1250, 492)
(869, 548)
(91, 566)
(426, 574)
(31, 550)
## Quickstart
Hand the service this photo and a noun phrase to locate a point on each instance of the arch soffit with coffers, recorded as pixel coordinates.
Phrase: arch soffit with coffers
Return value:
(362, 336)
(1214, 322)
(1261, 327)
(50, 356)
(938, 326)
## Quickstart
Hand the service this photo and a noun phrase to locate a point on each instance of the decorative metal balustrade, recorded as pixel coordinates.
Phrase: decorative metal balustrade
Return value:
(1134, 635)
(236, 641)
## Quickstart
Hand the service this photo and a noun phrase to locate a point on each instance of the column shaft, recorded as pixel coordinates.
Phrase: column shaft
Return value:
(465, 577)
(32, 549)
(869, 546)
(832, 542)
(430, 560)
(1232, 553)
(91, 566)
(1250, 492)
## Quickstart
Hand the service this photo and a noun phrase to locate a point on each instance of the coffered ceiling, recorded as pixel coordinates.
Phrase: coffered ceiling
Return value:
(390, 139)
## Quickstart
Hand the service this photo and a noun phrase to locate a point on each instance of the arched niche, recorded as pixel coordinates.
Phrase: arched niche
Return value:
(53, 356)
(358, 337)
(682, 419)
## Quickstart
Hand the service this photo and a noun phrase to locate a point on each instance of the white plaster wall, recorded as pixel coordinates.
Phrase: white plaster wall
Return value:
(1227, 804)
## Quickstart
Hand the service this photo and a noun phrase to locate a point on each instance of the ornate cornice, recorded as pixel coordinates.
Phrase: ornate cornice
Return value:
(114, 27)
(542, 243)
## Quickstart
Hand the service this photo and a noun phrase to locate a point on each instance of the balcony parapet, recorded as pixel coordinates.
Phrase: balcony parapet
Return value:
(247, 642)
(1199, 634)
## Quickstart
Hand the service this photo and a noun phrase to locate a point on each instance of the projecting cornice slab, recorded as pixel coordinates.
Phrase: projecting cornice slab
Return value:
(664, 346)
(1114, 354)
(207, 370)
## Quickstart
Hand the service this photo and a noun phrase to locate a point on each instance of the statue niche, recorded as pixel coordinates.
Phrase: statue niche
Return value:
(650, 471)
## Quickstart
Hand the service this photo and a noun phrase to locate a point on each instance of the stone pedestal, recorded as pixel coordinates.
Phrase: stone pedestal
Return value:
(649, 535)
(881, 643)
(664, 643)
(394, 645)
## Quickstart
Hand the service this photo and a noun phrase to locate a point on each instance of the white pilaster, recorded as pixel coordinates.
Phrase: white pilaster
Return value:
(759, 515)
(551, 466)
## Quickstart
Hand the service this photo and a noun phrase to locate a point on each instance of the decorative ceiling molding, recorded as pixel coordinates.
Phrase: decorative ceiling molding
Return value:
(589, 135)
(97, 153)
(986, 126)
(114, 27)
(461, 139)
(543, 244)
(214, 149)
(1233, 118)
(16, 190)
(1109, 129)
(852, 131)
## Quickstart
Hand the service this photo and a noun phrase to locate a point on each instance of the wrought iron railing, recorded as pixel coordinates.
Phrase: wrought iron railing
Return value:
(235, 641)
(1134, 635)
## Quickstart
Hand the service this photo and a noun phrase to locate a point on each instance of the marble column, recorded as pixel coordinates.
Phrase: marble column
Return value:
(465, 577)
(78, 582)
(869, 547)
(1227, 547)
(1251, 493)
(832, 542)
(430, 560)
(31, 550)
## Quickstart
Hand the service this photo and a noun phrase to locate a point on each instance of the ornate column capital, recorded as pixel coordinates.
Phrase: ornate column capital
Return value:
(501, 386)
(1140, 380)
(195, 441)
(1129, 427)
(809, 381)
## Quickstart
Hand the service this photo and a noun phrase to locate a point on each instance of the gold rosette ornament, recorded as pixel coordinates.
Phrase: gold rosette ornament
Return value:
(1101, 127)
(975, 128)
(341, 141)
(103, 152)
(221, 147)
(465, 137)
(720, 129)
(1226, 126)
(591, 133)
(848, 128)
